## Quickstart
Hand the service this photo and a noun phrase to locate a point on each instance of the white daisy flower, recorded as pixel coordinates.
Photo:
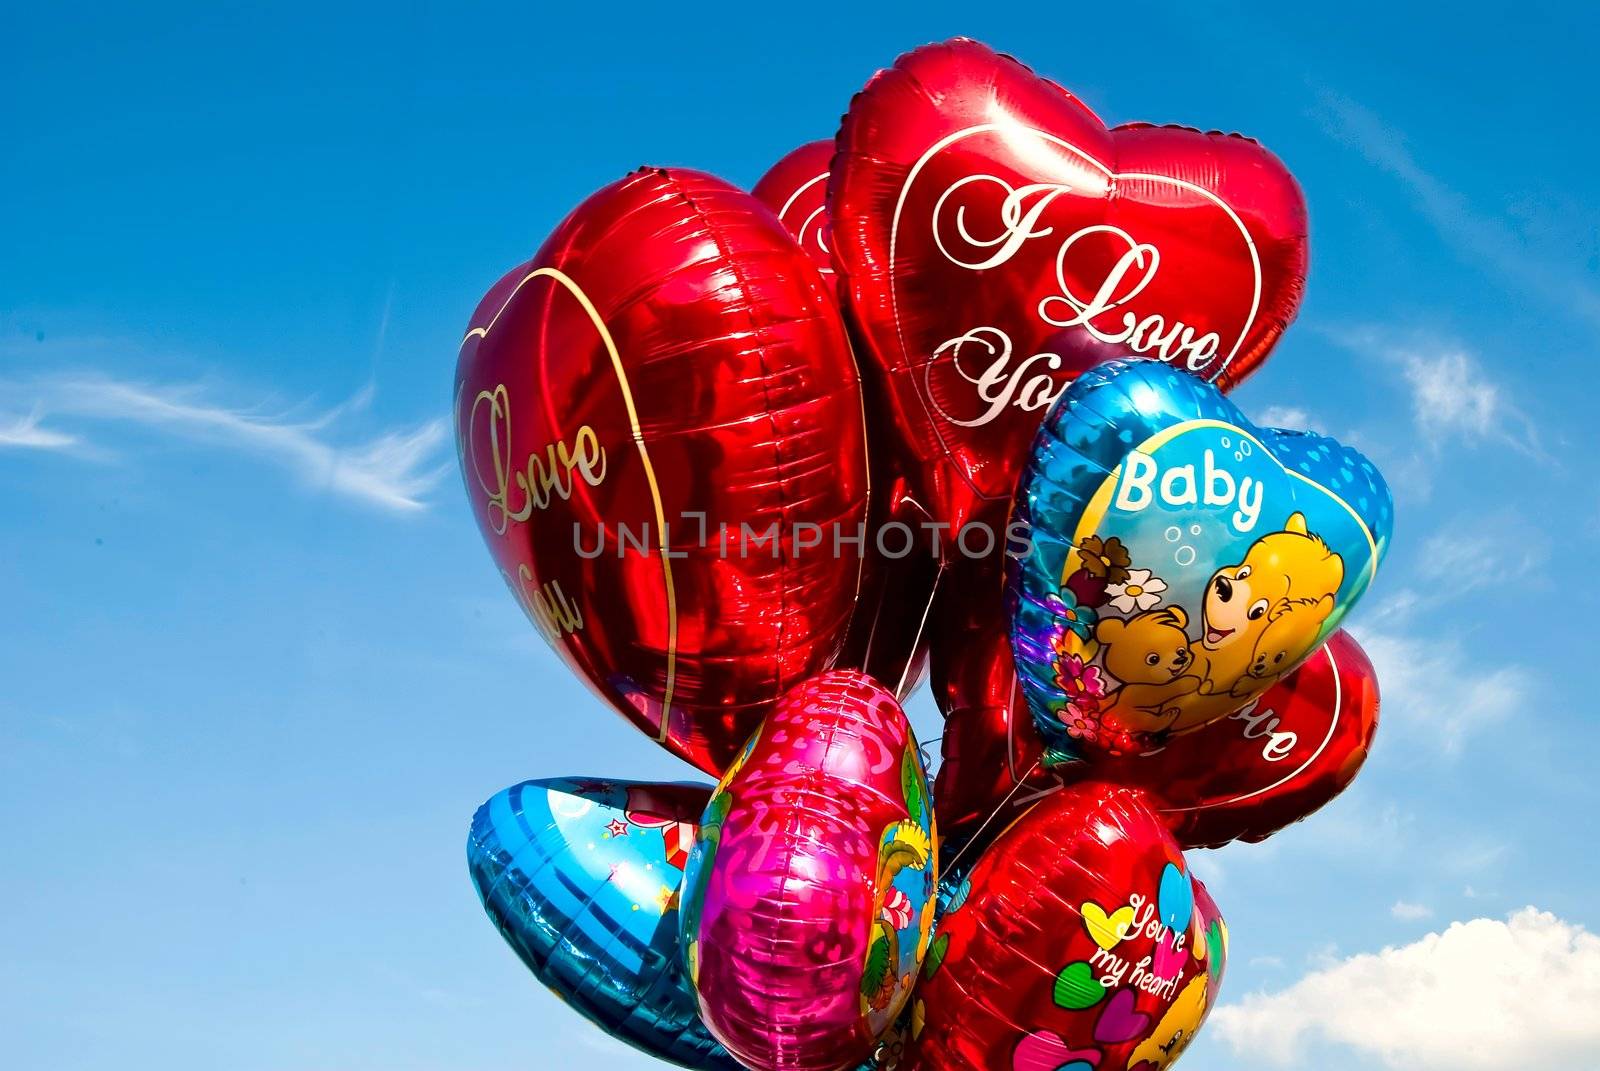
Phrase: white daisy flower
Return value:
(1138, 593)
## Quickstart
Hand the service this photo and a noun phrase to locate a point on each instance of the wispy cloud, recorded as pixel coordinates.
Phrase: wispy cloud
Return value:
(395, 470)
(29, 433)
(1460, 1000)
(1455, 404)
(1434, 688)
(1407, 911)
(1288, 416)
(1453, 398)
(1489, 241)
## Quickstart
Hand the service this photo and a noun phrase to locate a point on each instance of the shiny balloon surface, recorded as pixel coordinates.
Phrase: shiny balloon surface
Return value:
(1266, 766)
(996, 240)
(809, 898)
(887, 636)
(1182, 560)
(661, 430)
(1080, 941)
(581, 878)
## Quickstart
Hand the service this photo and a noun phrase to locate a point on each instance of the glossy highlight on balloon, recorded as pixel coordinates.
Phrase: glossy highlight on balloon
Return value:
(1182, 561)
(581, 878)
(659, 407)
(996, 240)
(809, 897)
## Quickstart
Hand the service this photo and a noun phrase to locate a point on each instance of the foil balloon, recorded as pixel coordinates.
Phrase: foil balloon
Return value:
(1243, 777)
(990, 748)
(1268, 765)
(660, 427)
(1182, 560)
(1081, 941)
(886, 638)
(809, 897)
(581, 878)
(996, 239)
(796, 188)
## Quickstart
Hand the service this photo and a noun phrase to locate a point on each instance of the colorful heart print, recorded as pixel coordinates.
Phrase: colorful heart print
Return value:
(581, 879)
(1182, 561)
(805, 975)
(1107, 930)
(996, 239)
(1077, 988)
(1044, 1051)
(1037, 897)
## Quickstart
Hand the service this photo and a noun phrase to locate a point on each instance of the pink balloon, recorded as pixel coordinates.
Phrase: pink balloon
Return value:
(808, 899)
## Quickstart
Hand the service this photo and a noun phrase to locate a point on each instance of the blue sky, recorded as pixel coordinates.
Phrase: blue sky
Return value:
(257, 670)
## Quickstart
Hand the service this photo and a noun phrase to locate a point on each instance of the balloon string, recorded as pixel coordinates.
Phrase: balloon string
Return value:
(916, 641)
(993, 814)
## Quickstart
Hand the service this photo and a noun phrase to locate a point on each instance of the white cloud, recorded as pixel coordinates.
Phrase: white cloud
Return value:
(1461, 558)
(1432, 686)
(1453, 399)
(1483, 995)
(1288, 416)
(29, 433)
(1490, 241)
(1410, 912)
(394, 470)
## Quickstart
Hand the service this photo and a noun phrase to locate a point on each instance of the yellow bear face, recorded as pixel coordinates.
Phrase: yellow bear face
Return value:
(1279, 568)
(1291, 632)
(1152, 648)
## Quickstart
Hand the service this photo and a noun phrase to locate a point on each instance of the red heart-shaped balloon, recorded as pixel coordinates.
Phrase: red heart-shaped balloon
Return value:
(1243, 777)
(887, 637)
(796, 188)
(1246, 776)
(996, 239)
(1080, 936)
(661, 428)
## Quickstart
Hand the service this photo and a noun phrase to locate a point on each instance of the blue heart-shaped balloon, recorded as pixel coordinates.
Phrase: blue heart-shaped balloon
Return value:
(581, 877)
(1181, 559)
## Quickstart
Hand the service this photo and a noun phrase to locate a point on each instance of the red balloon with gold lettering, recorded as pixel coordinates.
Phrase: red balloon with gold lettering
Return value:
(660, 424)
(996, 239)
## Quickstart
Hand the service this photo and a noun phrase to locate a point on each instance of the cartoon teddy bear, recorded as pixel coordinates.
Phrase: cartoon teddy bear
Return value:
(1147, 653)
(1176, 1029)
(1259, 618)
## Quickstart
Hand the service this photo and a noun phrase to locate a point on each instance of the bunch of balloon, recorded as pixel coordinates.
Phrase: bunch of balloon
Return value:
(942, 395)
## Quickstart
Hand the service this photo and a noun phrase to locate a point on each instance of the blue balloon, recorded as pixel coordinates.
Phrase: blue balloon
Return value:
(1181, 559)
(581, 878)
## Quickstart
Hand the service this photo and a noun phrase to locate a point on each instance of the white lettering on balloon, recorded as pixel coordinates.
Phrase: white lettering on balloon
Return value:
(1259, 724)
(1104, 302)
(999, 384)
